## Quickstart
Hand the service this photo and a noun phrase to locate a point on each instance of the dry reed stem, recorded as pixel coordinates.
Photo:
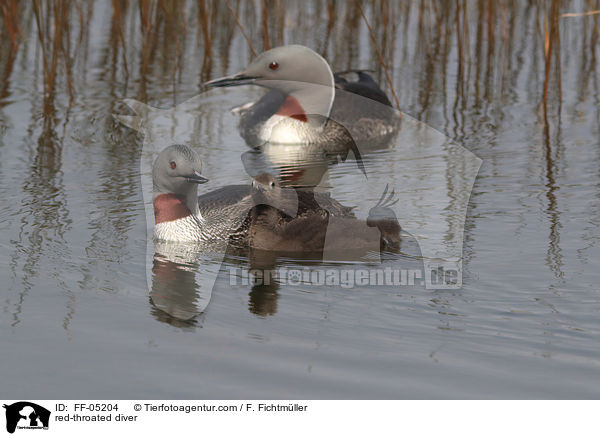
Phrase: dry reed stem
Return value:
(241, 28)
(205, 23)
(381, 61)
(9, 12)
(580, 14)
(118, 18)
(549, 37)
(265, 23)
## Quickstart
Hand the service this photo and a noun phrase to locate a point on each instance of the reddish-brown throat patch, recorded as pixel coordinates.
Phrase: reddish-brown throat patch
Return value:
(291, 108)
(170, 207)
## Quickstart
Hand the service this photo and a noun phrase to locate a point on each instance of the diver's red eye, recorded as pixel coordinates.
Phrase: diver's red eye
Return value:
(173, 165)
(273, 65)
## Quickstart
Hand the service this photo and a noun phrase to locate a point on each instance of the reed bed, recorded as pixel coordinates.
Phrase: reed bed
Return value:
(476, 43)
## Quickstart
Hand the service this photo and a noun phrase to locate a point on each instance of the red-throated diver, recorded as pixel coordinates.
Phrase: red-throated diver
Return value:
(307, 103)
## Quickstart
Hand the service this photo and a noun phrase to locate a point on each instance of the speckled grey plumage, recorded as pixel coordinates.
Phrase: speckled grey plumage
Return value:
(225, 210)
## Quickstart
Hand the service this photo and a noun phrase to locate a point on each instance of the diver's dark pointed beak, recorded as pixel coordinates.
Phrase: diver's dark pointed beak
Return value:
(233, 80)
(196, 178)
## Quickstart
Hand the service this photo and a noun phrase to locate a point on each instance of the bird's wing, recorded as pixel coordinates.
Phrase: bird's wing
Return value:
(226, 209)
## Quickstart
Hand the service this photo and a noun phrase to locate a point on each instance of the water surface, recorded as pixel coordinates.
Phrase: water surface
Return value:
(76, 316)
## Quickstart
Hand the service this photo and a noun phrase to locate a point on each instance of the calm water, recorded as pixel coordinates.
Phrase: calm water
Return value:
(77, 320)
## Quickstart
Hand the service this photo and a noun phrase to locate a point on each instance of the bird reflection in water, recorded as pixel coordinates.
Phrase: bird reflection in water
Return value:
(182, 280)
(174, 288)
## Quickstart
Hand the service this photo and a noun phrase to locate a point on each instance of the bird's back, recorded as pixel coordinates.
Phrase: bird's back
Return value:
(225, 211)
(364, 109)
